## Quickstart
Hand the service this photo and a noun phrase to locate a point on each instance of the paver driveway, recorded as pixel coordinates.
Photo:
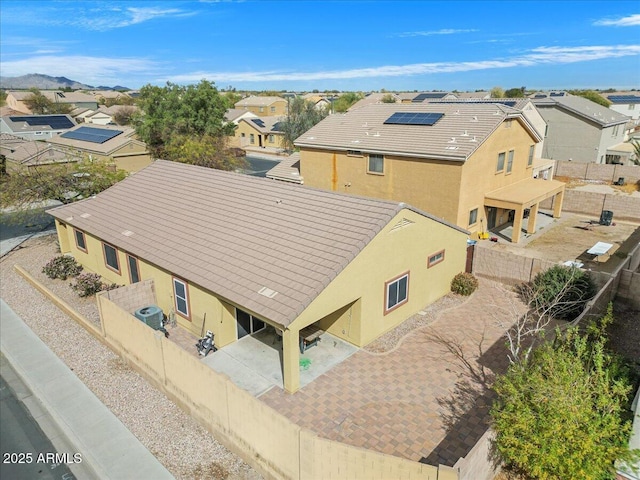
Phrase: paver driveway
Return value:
(418, 401)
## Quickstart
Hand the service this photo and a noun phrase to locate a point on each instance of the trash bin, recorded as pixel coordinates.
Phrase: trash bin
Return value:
(606, 217)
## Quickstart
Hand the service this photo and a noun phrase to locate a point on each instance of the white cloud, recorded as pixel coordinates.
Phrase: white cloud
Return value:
(537, 56)
(444, 31)
(629, 21)
(90, 70)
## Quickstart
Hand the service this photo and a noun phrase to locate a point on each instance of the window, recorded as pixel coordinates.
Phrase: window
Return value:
(632, 106)
(473, 216)
(271, 139)
(530, 159)
(435, 259)
(134, 271)
(376, 163)
(111, 257)
(397, 291)
(181, 294)
(500, 167)
(252, 138)
(354, 153)
(81, 241)
(243, 134)
(614, 133)
(510, 161)
(273, 109)
(261, 109)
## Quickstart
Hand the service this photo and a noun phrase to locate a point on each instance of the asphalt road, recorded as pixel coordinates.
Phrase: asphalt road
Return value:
(23, 444)
(258, 167)
(14, 228)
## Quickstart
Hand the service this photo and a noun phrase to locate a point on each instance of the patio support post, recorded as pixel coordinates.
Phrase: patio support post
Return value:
(557, 204)
(533, 215)
(291, 360)
(517, 224)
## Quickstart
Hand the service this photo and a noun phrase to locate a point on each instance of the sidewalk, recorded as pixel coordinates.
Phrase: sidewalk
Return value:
(109, 449)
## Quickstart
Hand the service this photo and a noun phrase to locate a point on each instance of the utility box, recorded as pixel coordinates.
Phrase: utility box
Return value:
(606, 217)
(152, 315)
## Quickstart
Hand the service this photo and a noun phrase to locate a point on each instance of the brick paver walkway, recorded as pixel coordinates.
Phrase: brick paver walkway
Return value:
(418, 401)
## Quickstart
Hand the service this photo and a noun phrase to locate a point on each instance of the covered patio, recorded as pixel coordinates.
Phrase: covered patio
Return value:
(526, 195)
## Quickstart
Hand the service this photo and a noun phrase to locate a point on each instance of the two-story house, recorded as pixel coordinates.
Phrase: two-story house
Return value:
(468, 163)
(264, 106)
(259, 132)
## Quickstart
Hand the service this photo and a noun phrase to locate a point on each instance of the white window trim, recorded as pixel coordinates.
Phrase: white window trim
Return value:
(388, 286)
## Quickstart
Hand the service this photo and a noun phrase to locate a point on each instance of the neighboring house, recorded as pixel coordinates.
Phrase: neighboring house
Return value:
(36, 127)
(234, 115)
(287, 170)
(480, 95)
(425, 96)
(468, 163)
(100, 117)
(107, 142)
(625, 103)
(15, 99)
(264, 106)
(21, 155)
(321, 102)
(260, 132)
(579, 130)
(235, 254)
(103, 95)
(374, 98)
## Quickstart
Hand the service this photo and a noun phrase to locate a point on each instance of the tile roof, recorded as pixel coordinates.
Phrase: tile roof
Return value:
(234, 234)
(232, 114)
(461, 130)
(265, 125)
(287, 170)
(26, 152)
(254, 101)
(583, 107)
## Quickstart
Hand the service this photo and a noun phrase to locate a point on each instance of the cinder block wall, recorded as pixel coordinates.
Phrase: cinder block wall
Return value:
(594, 171)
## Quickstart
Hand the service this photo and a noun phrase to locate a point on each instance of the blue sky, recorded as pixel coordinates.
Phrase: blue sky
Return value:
(343, 45)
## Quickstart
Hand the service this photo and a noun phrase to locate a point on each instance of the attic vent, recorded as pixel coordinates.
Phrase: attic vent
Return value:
(453, 140)
(465, 134)
(127, 233)
(68, 219)
(474, 139)
(85, 215)
(452, 148)
(267, 292)
(474, 119)
(401, 224)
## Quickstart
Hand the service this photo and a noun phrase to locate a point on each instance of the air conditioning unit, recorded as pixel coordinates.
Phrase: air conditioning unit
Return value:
(152, 315)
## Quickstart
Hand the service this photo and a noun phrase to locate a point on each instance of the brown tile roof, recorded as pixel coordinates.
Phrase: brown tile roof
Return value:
(460, 131)
(234, 234)
(287, 170)
(265, 125)
(255, 101)
(25, 152)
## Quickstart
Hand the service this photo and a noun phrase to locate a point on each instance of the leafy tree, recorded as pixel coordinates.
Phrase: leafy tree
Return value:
(562, 291)
(174, 111)
(497, 92)
(119, 100)
(345, 101)
(231, 98)
(564, 412)
(41, 105)
(636, 151)
(591, 95)
(302, 115)
(3, 97)
(124, 115)
(515, 92)
(206, 151)
(388, 98)
(65, 183)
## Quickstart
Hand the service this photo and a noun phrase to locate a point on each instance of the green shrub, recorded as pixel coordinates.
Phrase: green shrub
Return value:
(464, 284)
(562, 292)
(62, 267)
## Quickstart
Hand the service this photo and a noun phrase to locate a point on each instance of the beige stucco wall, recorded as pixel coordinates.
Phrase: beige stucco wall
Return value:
(359, 290)
(278, 107)
(446, 189)
(246, 129)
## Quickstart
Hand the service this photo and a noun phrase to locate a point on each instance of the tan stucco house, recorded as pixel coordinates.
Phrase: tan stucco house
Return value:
(263, 106)
(24, 155)
(110, 143)
(16, 99)
(259, 132)
(471, 164)
(236, 254)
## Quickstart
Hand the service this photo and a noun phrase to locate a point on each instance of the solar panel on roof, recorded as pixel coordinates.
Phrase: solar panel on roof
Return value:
(413, 118)
(624, 98)
(91, 134)
(258, 122)
(423, 96)
(55, 122)
(557, 94)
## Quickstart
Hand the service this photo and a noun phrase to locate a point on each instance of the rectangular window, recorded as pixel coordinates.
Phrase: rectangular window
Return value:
(473, 216)
(271, 139)
(181, 294)
(243, 134)
(376, 163)
(354, 153)
(81, 241)
(397, 292)
(261, 109)
(500, 166)
(111, 257)
(530, 159)
(614, 133)
(134, 271)
(510, 161)
(273, 109)
(252, 138)
(435, 259)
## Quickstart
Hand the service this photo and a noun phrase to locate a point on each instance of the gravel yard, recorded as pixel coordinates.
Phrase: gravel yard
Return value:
(185, 448)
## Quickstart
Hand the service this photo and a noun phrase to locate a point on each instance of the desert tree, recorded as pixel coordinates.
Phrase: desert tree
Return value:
(301, 116)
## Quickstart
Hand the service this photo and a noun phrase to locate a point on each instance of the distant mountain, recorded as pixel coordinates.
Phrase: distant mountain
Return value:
(45, 82)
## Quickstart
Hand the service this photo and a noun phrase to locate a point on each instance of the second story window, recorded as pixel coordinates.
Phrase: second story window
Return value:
(376, 163)
(510, 161)
(500, 166)
(473, 216)
(532, 149)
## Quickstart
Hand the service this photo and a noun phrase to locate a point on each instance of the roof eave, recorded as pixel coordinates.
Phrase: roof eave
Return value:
(458, 158)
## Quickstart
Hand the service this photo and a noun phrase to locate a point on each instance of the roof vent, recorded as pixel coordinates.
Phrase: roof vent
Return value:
(465, 134)
(267, 292)
(452, 148)
(453, 140)
(405, 222)
(474, 139)
(497, 112)
(457, 112)
(127, 233)
(377, 134)
(85, 215)
(474, 119)
(68, 219)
